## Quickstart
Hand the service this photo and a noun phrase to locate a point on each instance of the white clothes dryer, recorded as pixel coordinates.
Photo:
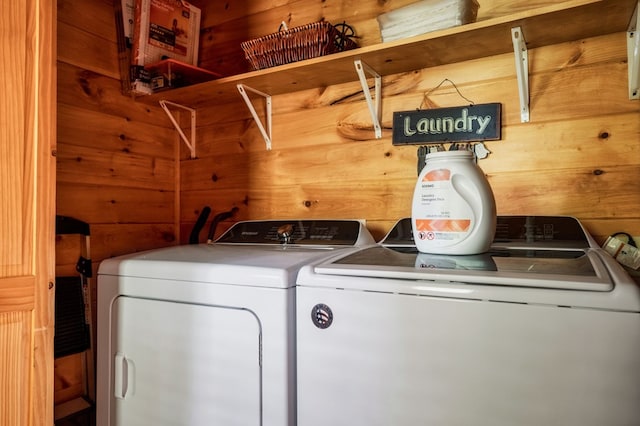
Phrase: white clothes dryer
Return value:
(204, 334)
(544, 329)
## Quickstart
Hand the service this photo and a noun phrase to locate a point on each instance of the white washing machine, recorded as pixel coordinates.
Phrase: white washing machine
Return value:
(542, 330)
(203, 334)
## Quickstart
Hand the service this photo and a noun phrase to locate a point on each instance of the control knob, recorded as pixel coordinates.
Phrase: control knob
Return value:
(285, 232)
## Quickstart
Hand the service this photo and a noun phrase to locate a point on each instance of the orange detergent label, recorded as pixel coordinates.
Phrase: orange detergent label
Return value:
(437, 175)
(442, 225)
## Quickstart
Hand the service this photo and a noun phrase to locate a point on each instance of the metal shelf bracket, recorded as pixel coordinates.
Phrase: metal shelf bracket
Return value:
(522, 71)
(191, 144)
(374, 110)
(633, 54)
(266, 134)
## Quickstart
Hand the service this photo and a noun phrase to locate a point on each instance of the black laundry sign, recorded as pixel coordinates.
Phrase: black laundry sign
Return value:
(454, 124)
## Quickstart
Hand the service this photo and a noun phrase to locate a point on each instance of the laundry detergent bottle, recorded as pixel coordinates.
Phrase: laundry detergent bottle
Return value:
(454, 210)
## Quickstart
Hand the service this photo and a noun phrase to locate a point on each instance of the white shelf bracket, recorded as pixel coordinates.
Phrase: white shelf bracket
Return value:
(266, 134)
(522, 71)
(374, 110)
(191, 144)
(633, 54)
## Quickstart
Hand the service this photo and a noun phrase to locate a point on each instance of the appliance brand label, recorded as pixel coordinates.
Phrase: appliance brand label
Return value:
(454, 124)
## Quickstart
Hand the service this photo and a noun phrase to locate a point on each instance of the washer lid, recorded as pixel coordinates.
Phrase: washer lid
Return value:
(551, 269)
(539, 232)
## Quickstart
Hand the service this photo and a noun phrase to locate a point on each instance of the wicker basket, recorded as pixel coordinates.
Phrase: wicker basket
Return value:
(296, 44)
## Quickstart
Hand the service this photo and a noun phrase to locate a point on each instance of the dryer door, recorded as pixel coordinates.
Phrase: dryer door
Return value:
(184, 364)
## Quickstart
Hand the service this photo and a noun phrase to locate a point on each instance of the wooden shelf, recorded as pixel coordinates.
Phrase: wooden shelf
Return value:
(562, 22)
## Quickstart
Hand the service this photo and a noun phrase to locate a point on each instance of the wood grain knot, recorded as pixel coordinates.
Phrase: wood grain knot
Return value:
(85, 86)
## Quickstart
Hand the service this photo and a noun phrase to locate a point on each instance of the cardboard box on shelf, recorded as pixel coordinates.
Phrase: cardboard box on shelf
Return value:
(163, 29)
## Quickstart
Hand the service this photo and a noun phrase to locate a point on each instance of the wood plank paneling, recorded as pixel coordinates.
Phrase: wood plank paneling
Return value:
(78, 164)
(82, 88)
(597, 141)
(576, 192)
(579, 155)
(227, 24)
(216, 12)
(105, 204)
(94, 17)
(15, 335)
(68, 383)
(27, 179)
(100, 131)
(116, 156)
(111, 240)
(475, 76)
(79, 42)
(15, 165)
(18, 294)
(87, 32)
(43, 314)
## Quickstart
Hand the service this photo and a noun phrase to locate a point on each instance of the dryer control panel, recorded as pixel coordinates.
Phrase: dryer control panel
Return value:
(299, 232)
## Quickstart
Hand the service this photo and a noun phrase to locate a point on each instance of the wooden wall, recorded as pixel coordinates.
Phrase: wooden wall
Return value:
(117, 168)
(116, 158)
(579, 155)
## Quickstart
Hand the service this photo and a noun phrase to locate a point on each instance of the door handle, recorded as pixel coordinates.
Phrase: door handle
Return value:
(123, 376)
